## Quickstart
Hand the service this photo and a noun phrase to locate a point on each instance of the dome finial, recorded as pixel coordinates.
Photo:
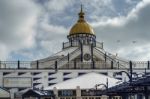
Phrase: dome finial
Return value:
(81, 26)
(81, 14)
(81, 7)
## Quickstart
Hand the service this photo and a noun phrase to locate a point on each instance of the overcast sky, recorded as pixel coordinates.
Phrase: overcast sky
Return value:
(34, 29)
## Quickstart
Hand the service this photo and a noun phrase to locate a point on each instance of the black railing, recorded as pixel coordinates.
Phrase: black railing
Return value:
(76, 44)
(138, 85)
(15, 64)
(73, 65)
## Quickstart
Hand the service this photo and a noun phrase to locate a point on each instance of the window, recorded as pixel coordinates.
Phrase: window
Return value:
(66, 78)
(49, 84)
(34, 84)
(51, 78)
(36, 78)
(6, 73)
(67, 93)
(82, 73)
(66, 73)
(104, 73)
(51, 73)
(36, 73)
(21, 73)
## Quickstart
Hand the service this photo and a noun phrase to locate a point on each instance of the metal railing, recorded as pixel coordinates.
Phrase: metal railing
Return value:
(15, 64)
(71, 56)
(99, 45)
(76, 44)
(70, 44)
(73, 65)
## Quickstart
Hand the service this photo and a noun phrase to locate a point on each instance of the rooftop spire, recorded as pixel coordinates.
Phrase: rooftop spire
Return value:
(81, 7)
(81, 15)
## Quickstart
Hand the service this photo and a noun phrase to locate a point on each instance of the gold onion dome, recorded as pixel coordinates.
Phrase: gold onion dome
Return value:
(81, 26)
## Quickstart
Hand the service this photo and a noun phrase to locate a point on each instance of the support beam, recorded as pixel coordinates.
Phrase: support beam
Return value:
(18, 64)
(148, 65)
(131, 71)
(81, 51)
(75, 65)
(68, 56)
(37, 64)
(112, 65)
(56, 66)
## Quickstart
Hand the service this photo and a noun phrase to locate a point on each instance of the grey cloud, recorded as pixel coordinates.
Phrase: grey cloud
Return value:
(17, 20)
(132, 31)
(25, 32)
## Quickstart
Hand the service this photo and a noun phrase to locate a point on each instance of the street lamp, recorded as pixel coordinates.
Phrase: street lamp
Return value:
(128, 74)
(105, 85)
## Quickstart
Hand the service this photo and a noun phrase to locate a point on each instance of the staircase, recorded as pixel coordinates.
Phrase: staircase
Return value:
(72, 55)
(118, 63)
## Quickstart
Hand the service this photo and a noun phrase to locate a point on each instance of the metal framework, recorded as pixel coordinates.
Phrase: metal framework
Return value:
(138, 86)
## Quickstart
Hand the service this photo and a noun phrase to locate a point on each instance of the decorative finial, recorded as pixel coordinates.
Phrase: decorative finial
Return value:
(81, 14)
(81, 7)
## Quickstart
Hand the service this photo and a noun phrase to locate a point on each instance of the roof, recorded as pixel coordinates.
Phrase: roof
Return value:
(64, 52)
(60, 54)
(81, 26)
(32, 92)
(85, 81)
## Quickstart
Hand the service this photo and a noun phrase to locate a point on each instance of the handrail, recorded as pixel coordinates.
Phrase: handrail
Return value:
(76, 44)
(63, 59)
(28, 64)
(66, 57)
(98, 64)
(15, 64)
(110, 58)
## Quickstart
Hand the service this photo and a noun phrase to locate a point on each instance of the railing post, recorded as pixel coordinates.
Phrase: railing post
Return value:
(75, 65)
(92, 51)
(37, 64)
(107, 84)
(148, 65)
(56, 66)
(93, 65)
(18, 64)
(146, 92)
(81, 52)
(111, 64)
(68, 57)
(71, 43)
(131, 71)
(105, 57)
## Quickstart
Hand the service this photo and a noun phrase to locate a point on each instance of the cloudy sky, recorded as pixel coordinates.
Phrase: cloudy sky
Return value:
(34, 29)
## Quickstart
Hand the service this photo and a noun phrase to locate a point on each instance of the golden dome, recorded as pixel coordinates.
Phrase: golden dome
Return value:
(81, 26)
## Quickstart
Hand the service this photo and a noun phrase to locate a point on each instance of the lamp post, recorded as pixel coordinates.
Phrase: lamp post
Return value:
(130, 81)
(128, 74)
(105, 85)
